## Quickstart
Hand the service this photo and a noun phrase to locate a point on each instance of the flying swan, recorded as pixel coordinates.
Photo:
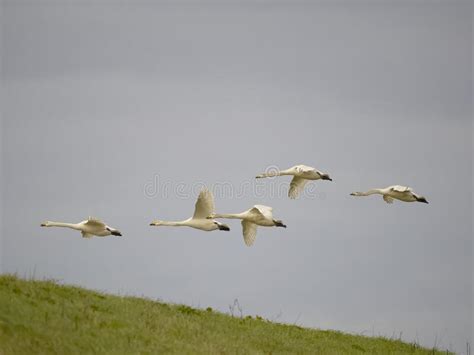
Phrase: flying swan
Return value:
(204, 207)
(402, 193)
(258, 215)
(301, 174)
(88, 228)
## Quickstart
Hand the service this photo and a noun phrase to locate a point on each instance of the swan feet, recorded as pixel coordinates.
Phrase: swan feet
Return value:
(223, 227)
(279, 223)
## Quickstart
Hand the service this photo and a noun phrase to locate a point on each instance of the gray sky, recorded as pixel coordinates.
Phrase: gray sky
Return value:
(100, 99)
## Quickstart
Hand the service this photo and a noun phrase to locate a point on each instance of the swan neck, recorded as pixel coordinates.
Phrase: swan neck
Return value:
(229, 215)
(65, 225)
(285, 172)
(277, 173)
(173, 223)
(372, 192)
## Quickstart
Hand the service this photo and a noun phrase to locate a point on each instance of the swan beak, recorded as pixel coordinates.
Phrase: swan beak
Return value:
(326, 177)
(43, 224)
(116, 233)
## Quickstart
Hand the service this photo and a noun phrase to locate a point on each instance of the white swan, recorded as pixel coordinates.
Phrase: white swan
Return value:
(402, 193)
(301, 174)
(257, 215)
(88, 228)
(204, 207)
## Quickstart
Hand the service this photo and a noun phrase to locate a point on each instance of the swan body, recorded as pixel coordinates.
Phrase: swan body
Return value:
(301, 175)
(402, 193)
(258, 215)
(203, 208)
(89, 228)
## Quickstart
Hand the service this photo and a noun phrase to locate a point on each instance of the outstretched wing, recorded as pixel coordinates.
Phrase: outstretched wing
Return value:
(95, 222)
(387, 199)
(296, 186)
(262, 211)
(204, 204)
(86, 235)
(249, 230)
(399, 188)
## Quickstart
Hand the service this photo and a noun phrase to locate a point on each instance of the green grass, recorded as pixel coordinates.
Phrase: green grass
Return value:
(41, 317)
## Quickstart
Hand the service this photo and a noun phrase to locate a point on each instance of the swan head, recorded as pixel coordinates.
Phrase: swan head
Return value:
(422, 199)
(46, 224)
(326, 177)
(156, 223)
(356, 194)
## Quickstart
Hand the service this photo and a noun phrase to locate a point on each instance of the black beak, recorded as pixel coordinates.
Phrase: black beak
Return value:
(43, 224)
(326, 177)
(116, 233)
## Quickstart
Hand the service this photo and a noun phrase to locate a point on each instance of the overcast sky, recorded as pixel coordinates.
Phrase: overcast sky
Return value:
(106, 104)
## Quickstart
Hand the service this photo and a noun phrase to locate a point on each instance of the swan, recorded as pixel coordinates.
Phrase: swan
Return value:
(258, 215)
(203, 208)
(88, 228)
(402, 193)
(301, 174)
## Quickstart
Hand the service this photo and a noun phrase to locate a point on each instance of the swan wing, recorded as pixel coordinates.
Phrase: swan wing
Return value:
(249, 231)
(296, 186)
(399, 188)
(204, 205)
(95, 222)
(86, 235)
(387, 199)
(262, 211)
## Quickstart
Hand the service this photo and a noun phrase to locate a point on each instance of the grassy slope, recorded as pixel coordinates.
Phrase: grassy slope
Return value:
(42, 317)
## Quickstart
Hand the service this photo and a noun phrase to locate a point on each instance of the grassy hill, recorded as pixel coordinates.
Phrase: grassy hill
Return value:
(41, 317)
